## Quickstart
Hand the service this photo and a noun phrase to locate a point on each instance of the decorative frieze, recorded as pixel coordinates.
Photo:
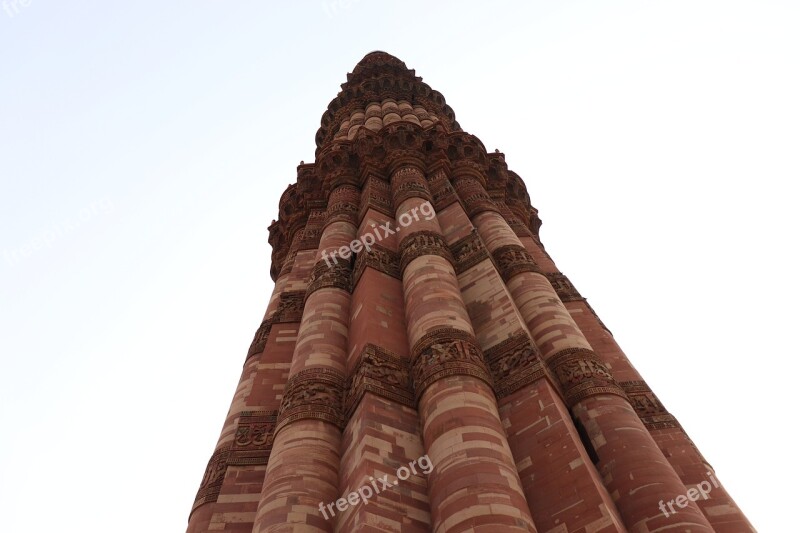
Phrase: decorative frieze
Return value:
(468, 252)
(445, 352)
(252, 442)
(260, 338)
(650, 410)
(380, 372)
(563, 287)
(442, 190)
(343, 205)
(473, 195)
(422, 243)
(288, 263)
(314, 393)
(309, 239)
(514, 363)
(290, 307)
(323, 275)
(513, 259)
(212, 479)
(379, 258)
(377, 195)
(582, 374)
(409, 182)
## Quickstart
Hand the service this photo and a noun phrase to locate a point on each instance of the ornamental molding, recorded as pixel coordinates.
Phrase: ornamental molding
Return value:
(515, 363)
(382, 373)
(314, 393)
(468, 252)
(423, 243)
(336, 275)
(648, 407)
(377, 257)
(252, 442)
(582, 374)
(445, 352)
(514, 259)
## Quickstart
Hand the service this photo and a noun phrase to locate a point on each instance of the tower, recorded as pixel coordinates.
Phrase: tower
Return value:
(423, 365)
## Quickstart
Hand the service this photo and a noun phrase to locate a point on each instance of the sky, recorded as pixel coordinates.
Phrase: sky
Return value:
(144, 147)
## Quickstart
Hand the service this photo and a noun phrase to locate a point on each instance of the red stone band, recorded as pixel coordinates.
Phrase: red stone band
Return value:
(515, 363)
(468, 252)
(314, 393)
(446, 352)
(337, 275)
(252, 442)
(212, 479)
(380, 258)
(582, 374)
(382, 373)
(514, 259)
(647, 405)
(563, 287)
(423, 243)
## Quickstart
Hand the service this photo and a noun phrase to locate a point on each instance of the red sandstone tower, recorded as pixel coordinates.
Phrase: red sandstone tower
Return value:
(421, 342)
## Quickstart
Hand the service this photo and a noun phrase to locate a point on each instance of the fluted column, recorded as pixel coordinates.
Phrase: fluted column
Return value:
(383, 432)
(633, 468)
(474, 484)
(303, 470)
(716, 504)
(553, 466)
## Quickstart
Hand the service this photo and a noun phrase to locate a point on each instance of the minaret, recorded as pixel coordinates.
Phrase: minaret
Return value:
(423, 365)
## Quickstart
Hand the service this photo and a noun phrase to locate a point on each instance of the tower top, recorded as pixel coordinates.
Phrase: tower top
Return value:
(379, 76)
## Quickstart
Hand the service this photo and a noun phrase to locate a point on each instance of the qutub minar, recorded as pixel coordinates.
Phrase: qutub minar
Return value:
(423, 365)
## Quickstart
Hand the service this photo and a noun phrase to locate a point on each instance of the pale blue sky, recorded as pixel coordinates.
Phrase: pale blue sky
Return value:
(144, 146)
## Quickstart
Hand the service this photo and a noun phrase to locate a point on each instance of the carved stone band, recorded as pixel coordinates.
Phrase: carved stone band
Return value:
(380, 372)
(336, 275)
(468, 252)
(309, 238)
(409, 182)
(212, 479)
(252, 442)
(290, 307)
(515, 363)
(422, 243)
(473, 195)
(314, 393)
(379, 258)
(582, 374)
(342, 212)
(514, 259)
(650, 410)
(445, 352)
(260, 339)
(563, 287)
